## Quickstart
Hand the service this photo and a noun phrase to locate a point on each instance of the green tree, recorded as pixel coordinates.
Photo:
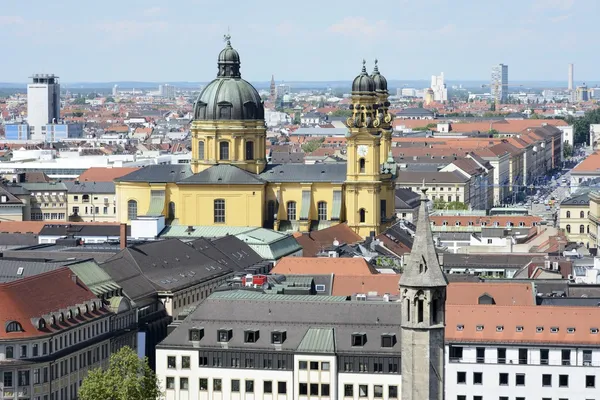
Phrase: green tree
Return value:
(341, 113)
(79, 100)
(110, 99)
(581, 126)
(91, 96)
(493, 132)
(312, 145)
(420, 104)
(456, 205)
(567, 150)
(439, 204)
(127, 378)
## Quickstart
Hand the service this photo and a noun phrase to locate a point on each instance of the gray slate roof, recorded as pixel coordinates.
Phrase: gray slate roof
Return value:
(577, 200)
(169, 173)
(334, 172)
(223, 174)
(504, 260)
(90, 187)
(79, 231)
(417, 177)
(309, 323)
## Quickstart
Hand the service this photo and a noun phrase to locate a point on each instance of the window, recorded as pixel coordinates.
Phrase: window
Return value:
(223, 150)
(291, 210)
(520, 380)
(314, 389)
(581, 228)
(477, 378)
(587, 358)
(302, 365)
(568, 228)
(480, 354)
(361, 215)
(225, 335)
(249, 386)
(546, 380)
(219, 211)
(377, 391)
(184, 383)
(590, 381)
(388, 340)
(235, 385)
(461, 397)
(170, 382)
(568, 214)
(461, 377)
(278, 337)
(13, 326)
(268, 387)
(566, 357)
(282, 387)
(320, 288)
(503, 379)
(303, 389)
(171, 363)
(9, 352)
(383, 209)
(363, 391)
(201, 150)
(203, 384)
(522, 356)
(34, 350)
(563, 380)
(348, 390)
(314, 365)
(131, 209)
(322, 211)
(361, 165)
(359, 339)
(23, 352)
(325, 366)
(393, 392)
(251, 336)
(581, 214)
(501, 355)
(249, 150)
(185, 362)
(217, 385)
(477, 397)
(8, 379)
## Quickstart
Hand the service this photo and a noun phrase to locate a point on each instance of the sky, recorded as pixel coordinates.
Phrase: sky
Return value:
(159, 41)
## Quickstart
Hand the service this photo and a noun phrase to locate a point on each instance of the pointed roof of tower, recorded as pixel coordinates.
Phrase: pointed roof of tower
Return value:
(423, 267)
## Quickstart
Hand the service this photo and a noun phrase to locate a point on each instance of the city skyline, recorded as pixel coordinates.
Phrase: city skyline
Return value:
(142, 41)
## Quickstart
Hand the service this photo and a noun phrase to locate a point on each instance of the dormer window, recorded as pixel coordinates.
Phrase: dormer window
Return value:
(594, 330)
(61, 318)
(69, 315)
(499, 328)
(42, 323)
(251, 336)
(519, 328)
(278, 337)
(224, 335)
(570, 330)
(479, 328)
(359, 339)
(554, 329)
(13, 326)
(196, 334)
(388, 339)
(539, 329)
(460, 327)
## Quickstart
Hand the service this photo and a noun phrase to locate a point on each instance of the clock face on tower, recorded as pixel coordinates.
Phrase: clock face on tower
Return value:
(362, 150)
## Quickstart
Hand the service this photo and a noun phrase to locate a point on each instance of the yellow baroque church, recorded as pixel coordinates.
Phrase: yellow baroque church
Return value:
(230, 183)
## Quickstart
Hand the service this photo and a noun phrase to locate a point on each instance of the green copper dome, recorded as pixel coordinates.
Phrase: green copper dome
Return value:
(229, 97)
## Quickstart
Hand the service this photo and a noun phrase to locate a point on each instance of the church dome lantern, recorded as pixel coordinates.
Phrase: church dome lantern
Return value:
(363, 83)
(229, 97)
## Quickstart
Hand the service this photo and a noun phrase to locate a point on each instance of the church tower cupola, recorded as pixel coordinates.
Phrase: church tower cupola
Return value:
(229, 61)
(423, 295)
(381, 85)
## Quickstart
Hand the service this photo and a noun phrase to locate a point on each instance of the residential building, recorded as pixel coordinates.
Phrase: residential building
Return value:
(56, 132)
(50, 340)
(43, 104)
(481, 181)
(445, 186)
(582, 93)
(499, 159)
(91, 201)
(406, 204)
(586, 171)
(440, 92)
(14, 132)
(167, 91)
(44, 201)
(229, 175)
(499, 82)
(521, 352)
(594, 220)
(574, 218)
(11, 207)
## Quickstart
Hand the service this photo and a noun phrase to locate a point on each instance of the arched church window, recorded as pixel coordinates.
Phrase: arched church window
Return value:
(435, 311)
(201, 150)
(361, 165)
(362, 215)
(250, 150)
(322, 211)
(131, 210)
(420, 313)
(407, 310)
(223, 150)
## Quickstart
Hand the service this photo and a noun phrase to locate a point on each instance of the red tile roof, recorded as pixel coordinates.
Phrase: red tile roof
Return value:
(504, 294)
(323, 266)
(42, 296)
(344, 285)
(314, 241)
(105, 174)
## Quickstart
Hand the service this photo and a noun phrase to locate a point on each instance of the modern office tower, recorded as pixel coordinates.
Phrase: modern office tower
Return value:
(571, 74)
(167, 91)
(115, 90)
(440, 92)
(43, 104)
(499, 82)
(582, 93)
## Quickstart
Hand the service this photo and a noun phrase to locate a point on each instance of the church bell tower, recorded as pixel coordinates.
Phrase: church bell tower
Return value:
(369, 181)
(423, 295)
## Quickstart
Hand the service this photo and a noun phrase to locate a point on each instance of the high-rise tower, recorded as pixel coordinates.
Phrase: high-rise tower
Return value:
(273, 88)
(423, 295)
(499, 82)
(369, 186)
(571, 76)
(43, 104)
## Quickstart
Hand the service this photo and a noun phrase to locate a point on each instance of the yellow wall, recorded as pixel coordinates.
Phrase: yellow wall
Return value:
(575, 221)
(244, 204)
(102, 201)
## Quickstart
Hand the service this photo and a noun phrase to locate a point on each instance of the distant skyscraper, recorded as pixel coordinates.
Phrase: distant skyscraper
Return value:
(43, 104)
(273, 88)
(582, 93)
(167, 91)
(440, 92)
(571, 76)
(499, 83)
(115, 90)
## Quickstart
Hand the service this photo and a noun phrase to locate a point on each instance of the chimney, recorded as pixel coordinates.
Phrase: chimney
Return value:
(123, 236)
(74, 278)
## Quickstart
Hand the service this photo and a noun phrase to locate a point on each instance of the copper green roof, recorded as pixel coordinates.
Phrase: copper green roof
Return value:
(318, 340)
(94, 277)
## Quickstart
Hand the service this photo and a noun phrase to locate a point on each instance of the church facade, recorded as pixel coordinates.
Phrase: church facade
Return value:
(229, 182)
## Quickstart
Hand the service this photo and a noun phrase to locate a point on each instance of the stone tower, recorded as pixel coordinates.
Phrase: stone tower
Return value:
(423, 293)
(369, 186)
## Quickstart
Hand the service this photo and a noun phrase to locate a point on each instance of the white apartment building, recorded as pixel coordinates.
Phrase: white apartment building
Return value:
(43, 104)
(440, 92)
(522, 352)
(248, 345)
